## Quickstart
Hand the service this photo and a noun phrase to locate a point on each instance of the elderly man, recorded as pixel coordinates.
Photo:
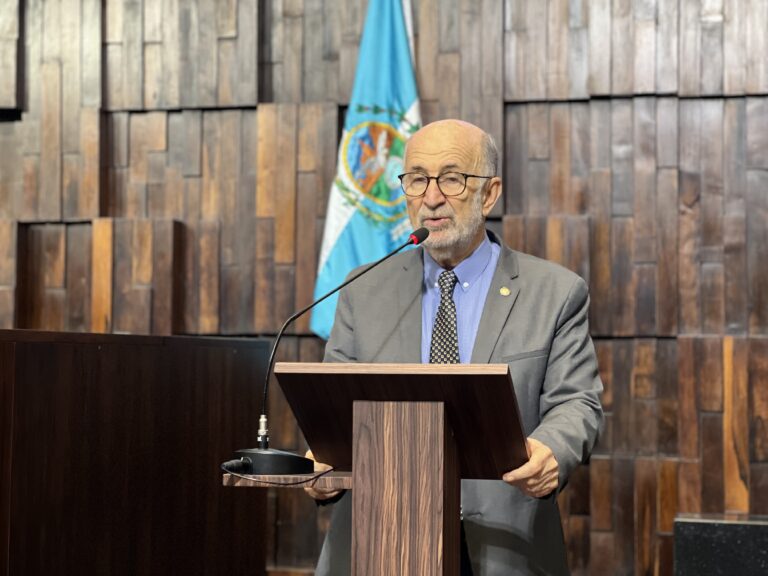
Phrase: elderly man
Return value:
(464, 297)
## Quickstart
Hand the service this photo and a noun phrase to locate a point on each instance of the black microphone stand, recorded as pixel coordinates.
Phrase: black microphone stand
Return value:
(264, 460)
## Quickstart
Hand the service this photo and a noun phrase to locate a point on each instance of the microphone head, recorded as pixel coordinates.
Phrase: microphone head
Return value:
(418, 236)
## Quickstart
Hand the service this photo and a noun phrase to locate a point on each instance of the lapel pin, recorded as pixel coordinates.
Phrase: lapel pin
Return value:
(504, 291)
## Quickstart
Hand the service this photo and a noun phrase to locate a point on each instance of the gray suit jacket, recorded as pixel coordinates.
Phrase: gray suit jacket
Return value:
(541, 330)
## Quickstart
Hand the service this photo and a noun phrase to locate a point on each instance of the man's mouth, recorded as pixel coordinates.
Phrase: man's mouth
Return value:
(435, 221)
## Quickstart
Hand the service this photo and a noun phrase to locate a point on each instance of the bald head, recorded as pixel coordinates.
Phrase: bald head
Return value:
(453, 130)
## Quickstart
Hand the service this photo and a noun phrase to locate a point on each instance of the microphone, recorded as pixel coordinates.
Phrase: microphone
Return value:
(263, 459)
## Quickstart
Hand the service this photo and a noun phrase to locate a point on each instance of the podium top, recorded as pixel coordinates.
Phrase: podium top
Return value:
(479, 398)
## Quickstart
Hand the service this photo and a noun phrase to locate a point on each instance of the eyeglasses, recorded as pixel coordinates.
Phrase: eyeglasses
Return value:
(415, 184)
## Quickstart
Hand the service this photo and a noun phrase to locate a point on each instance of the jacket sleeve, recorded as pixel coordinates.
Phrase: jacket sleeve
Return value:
(571, 413)
(341, 344)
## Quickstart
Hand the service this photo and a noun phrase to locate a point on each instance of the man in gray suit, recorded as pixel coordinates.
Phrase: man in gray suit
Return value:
(491, 304)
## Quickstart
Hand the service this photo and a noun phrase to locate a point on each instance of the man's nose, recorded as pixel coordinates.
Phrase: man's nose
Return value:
(432, 195)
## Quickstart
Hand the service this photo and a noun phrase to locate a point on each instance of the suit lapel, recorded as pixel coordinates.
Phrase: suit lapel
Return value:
(498, 304)
(409, 291)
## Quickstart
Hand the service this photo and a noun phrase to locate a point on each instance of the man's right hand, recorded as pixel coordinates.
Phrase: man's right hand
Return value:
(319, 493)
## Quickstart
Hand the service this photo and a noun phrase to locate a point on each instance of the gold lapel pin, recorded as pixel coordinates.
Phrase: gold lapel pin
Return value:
(504, 291)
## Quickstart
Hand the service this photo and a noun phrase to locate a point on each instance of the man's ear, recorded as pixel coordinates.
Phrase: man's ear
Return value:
(492, 195)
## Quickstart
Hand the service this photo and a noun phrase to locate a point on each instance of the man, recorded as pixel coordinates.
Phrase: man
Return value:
(489, 304)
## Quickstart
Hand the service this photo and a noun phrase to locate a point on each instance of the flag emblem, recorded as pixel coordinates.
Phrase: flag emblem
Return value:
(372, 156)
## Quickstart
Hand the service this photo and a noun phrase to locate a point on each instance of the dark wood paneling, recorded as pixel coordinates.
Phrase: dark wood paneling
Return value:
(154, 409)
(736, 423)
(10, 44)
(758, 400)
(174, 53)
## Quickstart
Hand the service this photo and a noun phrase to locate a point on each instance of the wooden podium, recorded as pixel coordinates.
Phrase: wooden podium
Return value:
(402, 436)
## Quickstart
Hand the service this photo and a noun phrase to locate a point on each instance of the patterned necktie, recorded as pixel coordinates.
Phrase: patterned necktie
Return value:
(444, 348)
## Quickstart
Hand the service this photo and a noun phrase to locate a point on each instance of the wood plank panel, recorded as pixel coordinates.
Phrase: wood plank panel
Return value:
(644, 147)
(689, 487)
(285, 208)
(601, 270)
(667, 202)
(667, 494)
(78, 275)
(758, 501)
(644, 50)
(131, 301)
(758, 400)
(667, 396)
(514, 58)
(734, 220)
(756, 47)
(601, 488)
(166, 262)
(536, 50)
(712, 495)
(102, 257)
(757, 250)
(622, 154)
(578, 198)
(70, 35)
(8, 235)
(600, 46)
(709, 373)
(623, 277)
(689, 218)
(690, 47)
(49, 199)
(667, 41)
(316, 68)
(688, 418)
(712, 31)
(209, 234)
(736, 424)
(10, 31)
(712, 180)
(91, 18)
(623, 420)
(646, 514)
(622, 48)
(558, 85)
(624, 511)
(734, 46)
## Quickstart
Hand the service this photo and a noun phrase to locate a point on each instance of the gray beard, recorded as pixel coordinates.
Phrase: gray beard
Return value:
(460, 236)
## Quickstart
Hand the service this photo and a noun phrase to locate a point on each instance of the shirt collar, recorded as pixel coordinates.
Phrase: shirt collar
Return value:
(468, 271)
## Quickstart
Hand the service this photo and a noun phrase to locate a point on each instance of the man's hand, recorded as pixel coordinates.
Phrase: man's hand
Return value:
(318, 493)
(539, 476)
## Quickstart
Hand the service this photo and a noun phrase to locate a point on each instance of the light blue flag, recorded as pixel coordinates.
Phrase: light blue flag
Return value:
(367, 215)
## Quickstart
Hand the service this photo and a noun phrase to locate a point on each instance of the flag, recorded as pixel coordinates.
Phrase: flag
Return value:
(366, 216)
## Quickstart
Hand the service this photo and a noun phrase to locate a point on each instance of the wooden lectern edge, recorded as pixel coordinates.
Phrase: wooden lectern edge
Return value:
(356, 368)
(330, 481)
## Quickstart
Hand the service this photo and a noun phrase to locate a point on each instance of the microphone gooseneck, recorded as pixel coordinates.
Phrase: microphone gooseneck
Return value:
(416, 238)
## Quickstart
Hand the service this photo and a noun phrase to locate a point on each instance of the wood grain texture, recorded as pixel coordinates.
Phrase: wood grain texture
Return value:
(757, 236)
(10, 57)
(736, 424)
(758, 400)
(425, 482)
(142, 397)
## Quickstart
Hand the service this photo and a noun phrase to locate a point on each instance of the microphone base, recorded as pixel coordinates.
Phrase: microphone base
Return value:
(275, 462)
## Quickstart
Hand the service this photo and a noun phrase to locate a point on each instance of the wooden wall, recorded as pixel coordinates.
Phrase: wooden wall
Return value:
(168, 169)
(9, 54)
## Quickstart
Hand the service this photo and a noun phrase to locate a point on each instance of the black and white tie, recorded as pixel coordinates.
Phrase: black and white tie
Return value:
(444, 348)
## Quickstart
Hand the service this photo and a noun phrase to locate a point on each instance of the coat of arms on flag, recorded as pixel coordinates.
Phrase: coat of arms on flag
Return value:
(367, 215)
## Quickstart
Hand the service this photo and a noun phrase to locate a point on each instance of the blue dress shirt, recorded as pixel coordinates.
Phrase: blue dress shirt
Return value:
(475, 274)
